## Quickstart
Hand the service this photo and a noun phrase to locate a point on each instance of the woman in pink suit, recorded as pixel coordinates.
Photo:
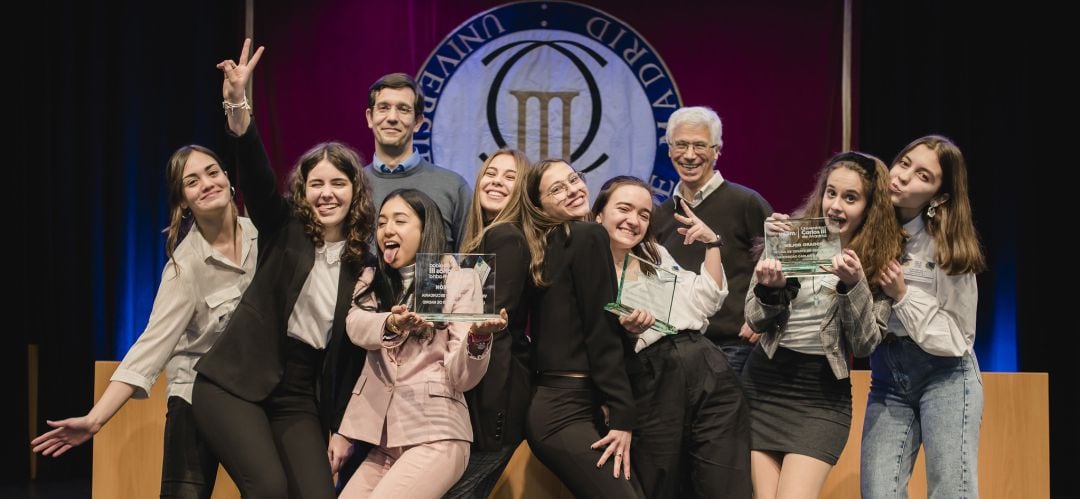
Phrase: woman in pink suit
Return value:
(409, 401)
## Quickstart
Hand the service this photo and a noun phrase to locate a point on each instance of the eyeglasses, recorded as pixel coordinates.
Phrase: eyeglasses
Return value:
(681, 146)
(560, 188)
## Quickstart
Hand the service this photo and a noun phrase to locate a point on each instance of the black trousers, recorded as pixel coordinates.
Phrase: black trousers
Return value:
(693, 435)
(188, 467)
(482, 473)
(563, 422)
(273, 448)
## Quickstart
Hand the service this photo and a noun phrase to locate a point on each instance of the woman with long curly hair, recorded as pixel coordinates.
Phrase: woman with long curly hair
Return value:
(255, 396)
(797, 379)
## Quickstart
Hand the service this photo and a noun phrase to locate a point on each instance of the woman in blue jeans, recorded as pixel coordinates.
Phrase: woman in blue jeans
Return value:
(925, 383)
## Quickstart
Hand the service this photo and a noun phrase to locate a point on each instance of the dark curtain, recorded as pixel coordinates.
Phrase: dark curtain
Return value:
(987, 77)
(106, 93)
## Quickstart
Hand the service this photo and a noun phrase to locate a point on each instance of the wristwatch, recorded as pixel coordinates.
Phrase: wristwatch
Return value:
(719, 242)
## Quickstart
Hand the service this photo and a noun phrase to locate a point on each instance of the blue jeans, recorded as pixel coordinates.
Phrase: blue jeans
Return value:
(917, 398)
(736, 356)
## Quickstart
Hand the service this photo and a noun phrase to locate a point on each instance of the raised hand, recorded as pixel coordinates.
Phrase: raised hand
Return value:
(237, 75)
(696, 230)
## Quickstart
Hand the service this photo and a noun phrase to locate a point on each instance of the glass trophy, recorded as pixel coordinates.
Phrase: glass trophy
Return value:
(455, 287)
(802, 245)
(646, 286)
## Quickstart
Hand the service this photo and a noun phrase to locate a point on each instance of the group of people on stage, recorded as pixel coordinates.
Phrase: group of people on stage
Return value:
(293, 357)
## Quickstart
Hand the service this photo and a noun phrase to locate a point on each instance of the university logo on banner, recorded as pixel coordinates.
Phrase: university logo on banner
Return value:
(553, 79)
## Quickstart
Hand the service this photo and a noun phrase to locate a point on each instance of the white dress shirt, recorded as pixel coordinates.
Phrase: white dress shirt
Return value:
(938, 311)
(313, 314)
(808, 309)
(714, 183)
(697, 297)
(199, 290)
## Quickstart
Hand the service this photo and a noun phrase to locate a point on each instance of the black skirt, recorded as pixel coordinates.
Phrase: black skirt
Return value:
(796, 404)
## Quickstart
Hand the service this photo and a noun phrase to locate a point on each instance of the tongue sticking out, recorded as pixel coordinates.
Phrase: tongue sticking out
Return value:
(389, 254)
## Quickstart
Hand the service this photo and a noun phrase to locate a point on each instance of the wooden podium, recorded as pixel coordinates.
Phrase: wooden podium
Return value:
(1014, 444)
(127, 451)
(1014, 452)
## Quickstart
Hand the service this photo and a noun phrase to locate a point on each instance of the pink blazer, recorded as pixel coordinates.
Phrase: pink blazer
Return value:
(412, 388)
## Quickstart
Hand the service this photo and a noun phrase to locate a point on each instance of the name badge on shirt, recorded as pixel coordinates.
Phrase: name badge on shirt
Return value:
(918, 270)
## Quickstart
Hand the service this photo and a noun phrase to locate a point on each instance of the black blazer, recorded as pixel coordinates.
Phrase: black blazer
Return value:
(571, 331)
(498, 404)
(247, 360)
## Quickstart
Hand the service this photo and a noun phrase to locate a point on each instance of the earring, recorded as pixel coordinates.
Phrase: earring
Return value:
(932, 210)
(186, 214)
(232, 191)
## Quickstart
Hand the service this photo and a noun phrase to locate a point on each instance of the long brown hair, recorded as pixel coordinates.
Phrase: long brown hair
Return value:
(180, 219)
(511, 213)
(535, 223)
(359, 224)
(952, 226)
(880, 238)
(647, 248)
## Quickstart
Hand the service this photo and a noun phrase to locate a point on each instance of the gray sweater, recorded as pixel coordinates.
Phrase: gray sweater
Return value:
(447, 188)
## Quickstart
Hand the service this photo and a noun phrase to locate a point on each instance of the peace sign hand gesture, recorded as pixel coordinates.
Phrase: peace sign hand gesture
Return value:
(696, 230)
(237, 75)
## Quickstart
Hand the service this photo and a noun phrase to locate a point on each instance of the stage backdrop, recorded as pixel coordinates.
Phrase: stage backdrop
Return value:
(597, 83)
(594, 82)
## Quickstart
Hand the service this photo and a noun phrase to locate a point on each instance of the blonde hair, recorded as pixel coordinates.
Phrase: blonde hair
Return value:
(511, 213)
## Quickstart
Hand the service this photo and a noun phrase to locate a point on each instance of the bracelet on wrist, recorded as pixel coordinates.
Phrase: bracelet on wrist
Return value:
(229, 107)
(391, 325)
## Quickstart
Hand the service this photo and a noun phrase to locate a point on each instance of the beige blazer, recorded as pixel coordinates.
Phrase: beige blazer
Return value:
(411, 390)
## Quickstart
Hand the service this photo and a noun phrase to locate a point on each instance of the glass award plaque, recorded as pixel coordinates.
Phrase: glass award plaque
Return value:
(455, 287)
(646, 286)
(802, 245)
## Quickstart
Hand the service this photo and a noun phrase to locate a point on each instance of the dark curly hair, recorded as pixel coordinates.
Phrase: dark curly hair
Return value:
(359, 223)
